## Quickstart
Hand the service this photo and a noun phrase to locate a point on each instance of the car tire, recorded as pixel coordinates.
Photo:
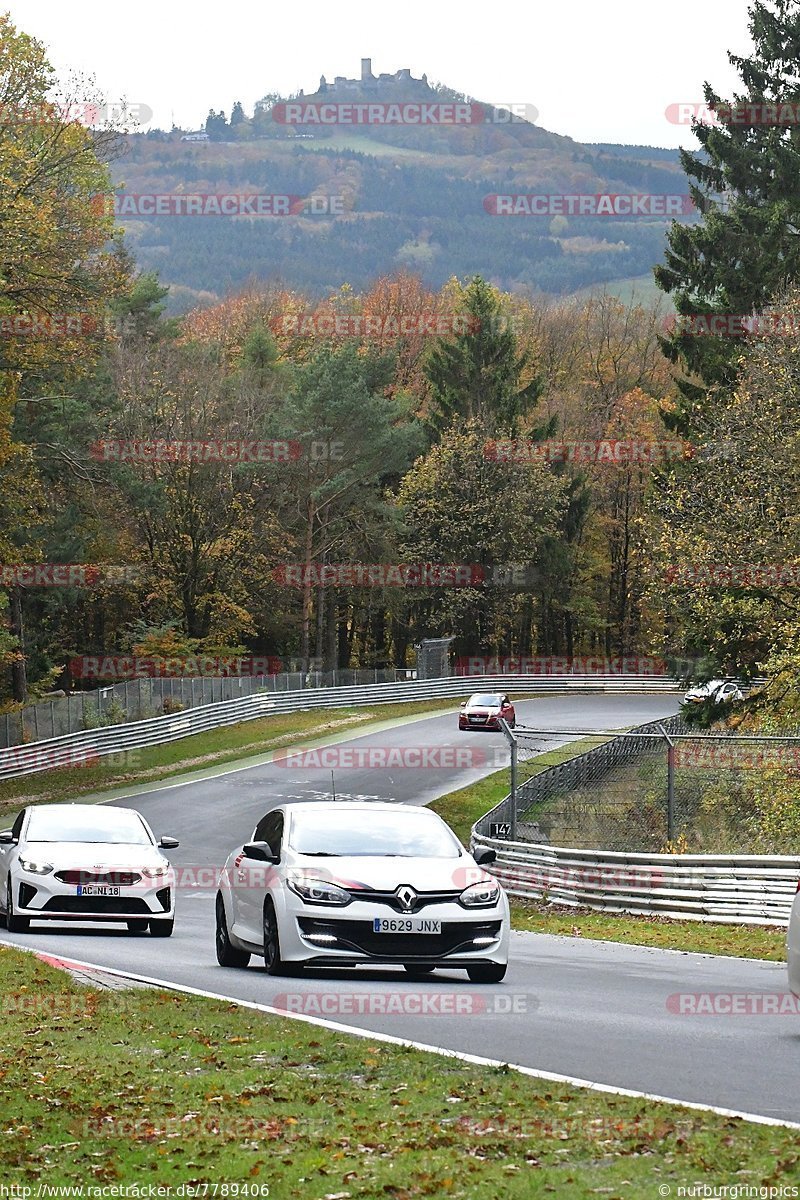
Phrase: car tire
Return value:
(273, 963)
(487, 972)
(161, 928)
(228, 955)
(14, 924)
(418, 970)
(137, 926)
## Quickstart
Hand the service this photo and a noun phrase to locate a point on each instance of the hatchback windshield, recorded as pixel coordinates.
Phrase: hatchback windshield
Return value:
(404, 834)
(485, 699)
(116, 828)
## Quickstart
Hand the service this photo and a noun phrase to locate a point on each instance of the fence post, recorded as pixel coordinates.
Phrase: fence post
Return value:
(670, 785)
(511, 738)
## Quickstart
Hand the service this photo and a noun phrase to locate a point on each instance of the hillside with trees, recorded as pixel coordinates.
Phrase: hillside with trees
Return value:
(286, 358)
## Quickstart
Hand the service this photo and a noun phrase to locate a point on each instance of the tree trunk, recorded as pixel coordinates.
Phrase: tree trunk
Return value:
(322, 596)
(305, 642)
(331, 620)
(19, 673)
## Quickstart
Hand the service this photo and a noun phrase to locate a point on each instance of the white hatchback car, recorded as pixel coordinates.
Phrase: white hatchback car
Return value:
(793, 946)
(333, 883)
(85, 862)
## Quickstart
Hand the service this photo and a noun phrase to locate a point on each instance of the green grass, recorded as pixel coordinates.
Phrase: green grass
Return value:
(639, 289)
(740, 941)
(201, 751)
(154, 1088)
(366, 145)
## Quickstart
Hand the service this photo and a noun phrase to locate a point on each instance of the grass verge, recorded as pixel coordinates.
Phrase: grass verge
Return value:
(463, 808)
(160, 1089)
(201, 751)
(740, 941)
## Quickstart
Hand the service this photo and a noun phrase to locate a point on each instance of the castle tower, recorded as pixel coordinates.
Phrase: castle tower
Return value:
(366, 70)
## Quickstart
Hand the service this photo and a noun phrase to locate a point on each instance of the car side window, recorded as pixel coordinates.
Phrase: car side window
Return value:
(16, 828)
(270, 830)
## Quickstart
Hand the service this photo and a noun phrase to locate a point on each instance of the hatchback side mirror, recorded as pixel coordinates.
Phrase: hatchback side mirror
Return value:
(169, 843)
(484, 855)
(7, 837)
(261, 852)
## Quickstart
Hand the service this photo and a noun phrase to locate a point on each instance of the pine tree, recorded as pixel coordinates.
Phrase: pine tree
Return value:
(477, 374)
(746, 184)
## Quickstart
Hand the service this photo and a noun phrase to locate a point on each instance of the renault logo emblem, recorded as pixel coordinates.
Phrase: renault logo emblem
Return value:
(407, 897)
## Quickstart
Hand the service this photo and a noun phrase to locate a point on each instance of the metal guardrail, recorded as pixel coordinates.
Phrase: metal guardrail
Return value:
(745, 889)
(142, 698)
(89, 744)
(742, 889)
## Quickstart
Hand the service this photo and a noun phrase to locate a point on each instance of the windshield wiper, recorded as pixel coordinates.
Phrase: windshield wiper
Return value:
(319, 854)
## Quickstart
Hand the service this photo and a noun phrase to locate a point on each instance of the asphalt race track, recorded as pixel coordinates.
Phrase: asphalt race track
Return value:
(597, 1011)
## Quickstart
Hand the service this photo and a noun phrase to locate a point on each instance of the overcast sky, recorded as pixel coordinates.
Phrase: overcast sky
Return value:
(596, 72)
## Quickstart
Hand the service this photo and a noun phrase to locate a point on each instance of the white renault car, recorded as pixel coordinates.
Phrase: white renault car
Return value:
(333, 883)
(85, 862)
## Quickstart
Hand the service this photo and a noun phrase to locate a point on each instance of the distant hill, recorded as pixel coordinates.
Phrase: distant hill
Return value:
(412, 196)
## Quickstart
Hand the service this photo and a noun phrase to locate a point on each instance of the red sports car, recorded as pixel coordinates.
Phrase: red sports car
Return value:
(484, 710)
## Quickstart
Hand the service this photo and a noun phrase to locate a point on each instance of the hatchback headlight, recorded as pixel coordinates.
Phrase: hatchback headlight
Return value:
(319, 891)
(481, 895)
(35, 868)
(156, 872)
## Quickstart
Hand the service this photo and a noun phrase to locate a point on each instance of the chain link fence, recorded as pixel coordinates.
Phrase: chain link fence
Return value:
(660, 788)
(140, 699)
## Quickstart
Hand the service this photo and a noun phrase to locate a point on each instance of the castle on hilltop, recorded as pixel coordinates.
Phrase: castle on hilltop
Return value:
(402, 82)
